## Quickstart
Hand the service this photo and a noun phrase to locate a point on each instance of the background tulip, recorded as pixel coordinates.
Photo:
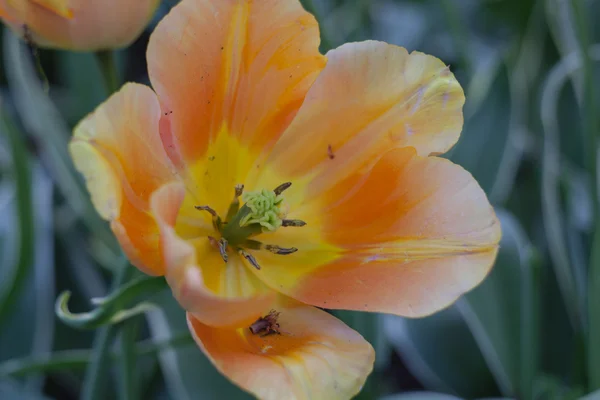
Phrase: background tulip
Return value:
(78, 24)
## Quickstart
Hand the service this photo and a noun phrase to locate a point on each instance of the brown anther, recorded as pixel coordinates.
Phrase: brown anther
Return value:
(280, 250)
(250, 258)
(293, 222)
(216, 220)
(330, 152)
(239, 189)
(207, 208)
(223, 249)
(266, 325)
(281, 188)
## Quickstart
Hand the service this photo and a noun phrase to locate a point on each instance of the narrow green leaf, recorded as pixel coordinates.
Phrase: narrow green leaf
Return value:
(594, 313)
(187, 372)
(12, 283)
(111, 309)
(129, 375)
(93, 383)
(431, 348)
(106, 59)
(79, 359)
(42, 120)
(502, 312)
(420, 396)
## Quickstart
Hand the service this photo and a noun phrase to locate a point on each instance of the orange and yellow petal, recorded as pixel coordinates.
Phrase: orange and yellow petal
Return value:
(119, 151)
(315, 356)
(370, 97)
(216, 293)
(408, 237)
(237, 65)
(79, 24)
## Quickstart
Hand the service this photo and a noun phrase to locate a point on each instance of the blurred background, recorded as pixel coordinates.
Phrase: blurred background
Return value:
(530, 331)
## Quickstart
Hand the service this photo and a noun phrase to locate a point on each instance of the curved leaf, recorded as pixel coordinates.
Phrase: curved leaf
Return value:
(111, 309)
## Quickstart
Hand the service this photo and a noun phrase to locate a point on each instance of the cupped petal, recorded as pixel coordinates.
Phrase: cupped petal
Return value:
(79, 24)
(315, 355)
(216, 293)
(237, 65)
(119, 151)
(370, 97)
(408, 237)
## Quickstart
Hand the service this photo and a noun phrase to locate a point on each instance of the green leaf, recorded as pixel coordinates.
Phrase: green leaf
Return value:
(188, 373)
(433, 347)
(13, 390)
(29, 328)
(420, 396)
(14, 279)
(111, 309)
(486, 128)
(502, 312)
(370, 326)
(42, 120)
(592, 396)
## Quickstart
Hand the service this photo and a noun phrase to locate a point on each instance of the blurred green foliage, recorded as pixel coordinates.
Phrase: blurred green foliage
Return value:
(530, 331)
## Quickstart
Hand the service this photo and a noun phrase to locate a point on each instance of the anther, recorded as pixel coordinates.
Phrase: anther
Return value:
(216, 220)
(266, 325)
(280, 189)
(280, 250)
(239, 189)
(292, 222)
(250, 258)
(207, 208)
(223, 249)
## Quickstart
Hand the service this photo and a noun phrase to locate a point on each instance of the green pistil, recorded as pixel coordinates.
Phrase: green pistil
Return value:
(264, 209)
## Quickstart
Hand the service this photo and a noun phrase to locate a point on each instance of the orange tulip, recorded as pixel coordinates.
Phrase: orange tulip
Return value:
(78, 24)
(195, 176)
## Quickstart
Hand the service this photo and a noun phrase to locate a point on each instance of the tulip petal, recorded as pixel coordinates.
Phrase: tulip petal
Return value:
(239, 66)
(79, 24)
(215, 292)
(316, 356)
(408, 237)
(371, 97)
(119, 151)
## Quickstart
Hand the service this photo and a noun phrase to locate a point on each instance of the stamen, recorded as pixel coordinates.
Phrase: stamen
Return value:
(223, 249)
(234, 207)
(281, 188)
(266, 325)
(239, 189)
(216, 220)
(283, 251)
(293, 222)
(207, 208)
(250, 258)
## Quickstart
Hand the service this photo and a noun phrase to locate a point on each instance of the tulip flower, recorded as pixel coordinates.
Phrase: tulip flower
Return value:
(266, 181)
(86, 25)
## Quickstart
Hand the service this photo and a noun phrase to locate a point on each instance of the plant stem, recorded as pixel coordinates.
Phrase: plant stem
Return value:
(592, 132)
(93, 384)
(108, 68)
(129, 332)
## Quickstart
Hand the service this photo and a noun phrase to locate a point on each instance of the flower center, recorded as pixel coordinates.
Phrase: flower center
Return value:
(262, 211)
